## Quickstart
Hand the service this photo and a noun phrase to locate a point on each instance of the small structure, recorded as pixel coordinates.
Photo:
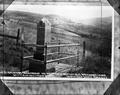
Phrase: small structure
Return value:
(43, 36)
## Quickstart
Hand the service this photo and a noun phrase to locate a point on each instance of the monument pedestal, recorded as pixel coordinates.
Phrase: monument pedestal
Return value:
(37, 66)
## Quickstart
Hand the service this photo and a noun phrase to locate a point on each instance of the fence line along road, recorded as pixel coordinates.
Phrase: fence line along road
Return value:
(62, 45)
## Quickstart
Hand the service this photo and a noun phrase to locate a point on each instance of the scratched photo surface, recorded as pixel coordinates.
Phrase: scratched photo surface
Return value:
(57, 41)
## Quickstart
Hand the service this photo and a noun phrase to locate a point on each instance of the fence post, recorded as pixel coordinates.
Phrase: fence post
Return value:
(58, 51)
(84, 50)
(84, 47)
(17, 40)
(45, 56)
(22, 53)
(78, 55)
(77, 58)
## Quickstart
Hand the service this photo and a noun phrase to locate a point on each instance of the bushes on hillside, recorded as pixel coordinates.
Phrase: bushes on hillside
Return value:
(97, 65)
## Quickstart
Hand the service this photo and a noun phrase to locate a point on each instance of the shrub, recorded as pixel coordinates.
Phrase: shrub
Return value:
(96, 65)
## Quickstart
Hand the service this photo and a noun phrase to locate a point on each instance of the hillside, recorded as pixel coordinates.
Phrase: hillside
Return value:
(98, 40)
(30, 19)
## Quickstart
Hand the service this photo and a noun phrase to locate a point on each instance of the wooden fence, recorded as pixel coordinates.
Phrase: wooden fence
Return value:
(58, 52)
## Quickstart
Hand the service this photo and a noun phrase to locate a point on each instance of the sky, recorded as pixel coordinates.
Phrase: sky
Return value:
(72, 12)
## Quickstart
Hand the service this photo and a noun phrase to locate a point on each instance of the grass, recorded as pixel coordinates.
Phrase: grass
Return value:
(97, 65)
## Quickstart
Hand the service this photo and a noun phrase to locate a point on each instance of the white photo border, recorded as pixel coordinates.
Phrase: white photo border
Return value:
(74, 79)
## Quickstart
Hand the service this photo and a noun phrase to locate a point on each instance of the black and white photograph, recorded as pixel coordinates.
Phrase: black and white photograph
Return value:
(57, 41)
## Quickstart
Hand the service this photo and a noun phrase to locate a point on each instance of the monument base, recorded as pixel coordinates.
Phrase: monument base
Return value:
(36, 66)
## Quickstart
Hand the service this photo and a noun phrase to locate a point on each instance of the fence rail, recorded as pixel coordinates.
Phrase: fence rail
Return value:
(26, 57)
(49, 61)
(44, 54)
(51, 46)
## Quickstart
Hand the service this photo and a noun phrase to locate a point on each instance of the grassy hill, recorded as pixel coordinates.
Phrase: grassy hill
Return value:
(98, 40)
